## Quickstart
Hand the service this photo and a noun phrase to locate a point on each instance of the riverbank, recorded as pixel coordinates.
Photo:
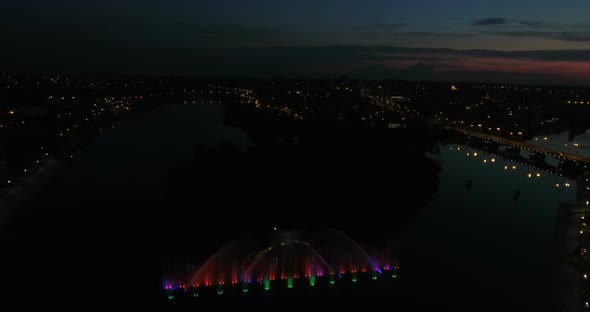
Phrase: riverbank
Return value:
(27, 189)
(568, 278)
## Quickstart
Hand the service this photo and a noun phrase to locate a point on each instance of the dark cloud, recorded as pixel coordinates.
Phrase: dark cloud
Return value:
(579, 36)
(532, 24)
(491, 21)
(505, 77)
(431, 34)
(379, 26)
(428, 58)
(573, 36)
(381, 52)
(504, 21)
(418, 71)
(537, 29)
(369, 62)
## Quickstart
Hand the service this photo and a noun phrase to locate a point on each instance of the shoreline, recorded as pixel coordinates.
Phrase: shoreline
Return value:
(567, 283)
(28, 189)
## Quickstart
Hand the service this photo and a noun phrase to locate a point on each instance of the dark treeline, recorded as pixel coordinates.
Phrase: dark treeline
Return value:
(365, 181)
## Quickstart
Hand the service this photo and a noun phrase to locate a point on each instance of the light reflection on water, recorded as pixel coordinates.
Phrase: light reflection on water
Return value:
(140, 151)
(559, 142)
(482, 242)
(478, 243)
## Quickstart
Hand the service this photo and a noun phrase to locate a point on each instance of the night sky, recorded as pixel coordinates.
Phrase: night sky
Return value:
(537, 41)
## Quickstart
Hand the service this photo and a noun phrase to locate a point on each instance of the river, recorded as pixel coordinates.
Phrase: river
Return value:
(477, 246)
(580, 145)
(481, 245)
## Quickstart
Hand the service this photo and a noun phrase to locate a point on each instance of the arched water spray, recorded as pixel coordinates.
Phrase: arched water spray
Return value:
(226, 265)
(310, 269)
(328, 233)
(326, 255)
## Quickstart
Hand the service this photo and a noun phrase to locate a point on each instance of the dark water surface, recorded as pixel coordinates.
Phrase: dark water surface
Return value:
(469, 246)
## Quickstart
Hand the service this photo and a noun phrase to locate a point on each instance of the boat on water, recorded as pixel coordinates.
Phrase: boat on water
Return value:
(516, 195)
(468, 185)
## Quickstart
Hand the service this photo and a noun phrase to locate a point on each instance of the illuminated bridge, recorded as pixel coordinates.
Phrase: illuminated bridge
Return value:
(525, 145)
(295, 258)
(567, 164)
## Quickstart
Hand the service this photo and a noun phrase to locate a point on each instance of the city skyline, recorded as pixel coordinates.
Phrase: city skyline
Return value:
(501, 41)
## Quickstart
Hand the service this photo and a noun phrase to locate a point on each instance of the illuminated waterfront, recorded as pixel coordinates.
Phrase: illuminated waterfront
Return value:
(480, 238)
(464, 242)
(579, 145)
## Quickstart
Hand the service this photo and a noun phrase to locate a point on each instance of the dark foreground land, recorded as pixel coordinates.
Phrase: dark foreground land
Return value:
(88, 243)
(384, 294)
